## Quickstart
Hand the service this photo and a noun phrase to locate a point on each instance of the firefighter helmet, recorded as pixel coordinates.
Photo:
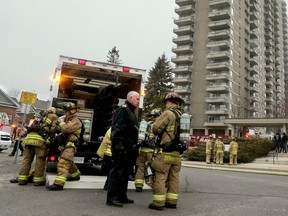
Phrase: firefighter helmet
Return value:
(172, 96)
(155, 112)
(69, 106)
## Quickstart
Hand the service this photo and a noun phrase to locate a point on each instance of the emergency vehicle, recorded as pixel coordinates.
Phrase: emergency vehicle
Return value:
(97, 88)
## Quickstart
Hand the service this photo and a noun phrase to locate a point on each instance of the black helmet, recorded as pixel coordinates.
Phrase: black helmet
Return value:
(155, 112)
(67, 106)
(172, 96)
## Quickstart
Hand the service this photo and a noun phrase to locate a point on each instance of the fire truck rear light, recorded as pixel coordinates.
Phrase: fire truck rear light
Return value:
(126, 69)
(52, 158)
(82, 62)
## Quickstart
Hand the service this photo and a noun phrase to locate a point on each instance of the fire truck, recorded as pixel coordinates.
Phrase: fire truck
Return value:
(97, 88)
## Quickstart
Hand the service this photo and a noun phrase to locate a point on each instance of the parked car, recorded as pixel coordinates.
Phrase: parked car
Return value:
(5, 140)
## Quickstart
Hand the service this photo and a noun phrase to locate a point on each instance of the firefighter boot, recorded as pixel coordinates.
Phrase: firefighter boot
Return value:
(54, 187)
(152, 206)
(70, 178)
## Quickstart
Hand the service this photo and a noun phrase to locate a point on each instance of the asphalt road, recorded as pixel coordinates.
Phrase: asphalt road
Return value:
(202, 192)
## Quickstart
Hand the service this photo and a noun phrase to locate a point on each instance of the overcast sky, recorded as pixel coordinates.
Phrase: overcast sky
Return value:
(34, 33)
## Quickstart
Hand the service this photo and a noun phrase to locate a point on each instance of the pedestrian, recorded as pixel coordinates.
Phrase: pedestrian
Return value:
(70, 126)
(18, 139)
(233, 151)
(219, 147)
(124, 137)
(167, 161)
(277, 142)
(104, 152)
(209, 149)
(36, 143)
(284, 140)
(146, 150)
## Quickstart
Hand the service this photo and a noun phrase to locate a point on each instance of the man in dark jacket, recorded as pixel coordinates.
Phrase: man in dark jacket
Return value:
(124, 136)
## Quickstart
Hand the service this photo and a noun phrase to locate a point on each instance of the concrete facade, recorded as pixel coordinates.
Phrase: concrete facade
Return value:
(231, 60)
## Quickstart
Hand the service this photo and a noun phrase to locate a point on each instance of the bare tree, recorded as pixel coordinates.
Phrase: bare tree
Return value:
(13, 93)
(113, 56)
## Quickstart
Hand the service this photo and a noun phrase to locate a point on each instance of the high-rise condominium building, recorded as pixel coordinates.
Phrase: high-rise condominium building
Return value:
(231, 58)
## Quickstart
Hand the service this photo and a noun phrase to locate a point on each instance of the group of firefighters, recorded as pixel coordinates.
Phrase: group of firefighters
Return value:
(217, 150)
(158, 152)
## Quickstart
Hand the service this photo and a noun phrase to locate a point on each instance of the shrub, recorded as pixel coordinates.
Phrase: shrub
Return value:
(249, 150)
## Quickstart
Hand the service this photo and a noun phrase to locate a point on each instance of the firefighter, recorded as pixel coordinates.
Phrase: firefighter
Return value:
(70, 126)
(104, 152)
(16, 139)
(167, 161)
(208, 149)
(146, 150)
(36, 145)
(219, 148)
(233, 150)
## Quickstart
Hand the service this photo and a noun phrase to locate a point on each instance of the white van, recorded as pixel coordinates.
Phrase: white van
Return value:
(5, 140)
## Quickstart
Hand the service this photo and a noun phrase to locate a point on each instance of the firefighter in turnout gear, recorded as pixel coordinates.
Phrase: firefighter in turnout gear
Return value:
(36, 145)
(233, 150)
(70, 126)
(219, 147)
(146, 150)
(167, 161)
(209, 149)
(104, 152)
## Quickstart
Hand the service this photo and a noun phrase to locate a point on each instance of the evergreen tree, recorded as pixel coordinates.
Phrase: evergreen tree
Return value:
(113, 56)
(159, 83)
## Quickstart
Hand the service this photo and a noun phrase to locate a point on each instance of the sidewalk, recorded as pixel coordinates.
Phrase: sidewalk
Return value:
(266, 165)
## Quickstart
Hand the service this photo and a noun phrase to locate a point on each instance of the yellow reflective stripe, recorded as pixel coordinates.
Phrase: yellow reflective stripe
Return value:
(70, 144)
(170, 128)
(77, 173)
(78, 132)
(146, 150)
(172, 196)
(159, 198)
(60, 179)
(139, 182)
(38, 179)
(22, 177)
(34, 136)
(108, 152)
(173, 154)
(62, 123)
(48, 121)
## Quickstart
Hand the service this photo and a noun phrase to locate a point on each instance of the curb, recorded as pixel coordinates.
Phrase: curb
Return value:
(257, 171)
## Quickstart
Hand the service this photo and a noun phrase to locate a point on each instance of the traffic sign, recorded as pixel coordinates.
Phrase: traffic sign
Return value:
(28, 98)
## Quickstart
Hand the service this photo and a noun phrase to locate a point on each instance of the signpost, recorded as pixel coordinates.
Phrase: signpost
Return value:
(27, 98)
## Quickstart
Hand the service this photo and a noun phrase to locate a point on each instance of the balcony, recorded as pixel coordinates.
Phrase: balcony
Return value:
(219, 3)
(188, 9)
(218, 76)
(181, 90)
(183, 80)
(214, 123)
(224, 44)
(224, 65)
(182, 49)
(217, 111)
(253, 98)
(269, 83)
(219, 35)
(184, 30)
(183, 40)
(215, 99)
(217, 25)
(182, 59)
(254, 79)
(224, 55)
(184, 2)
(217, 88)
(184, 21)
(181, 70)
(254, 24)
(254, 15)
(219, 15)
